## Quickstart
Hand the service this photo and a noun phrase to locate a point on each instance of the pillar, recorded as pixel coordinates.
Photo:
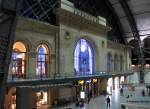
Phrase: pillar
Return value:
(32, 65)
(26, 99)
(103, 85)
(113, 83)
(119, 82)
(125, 81)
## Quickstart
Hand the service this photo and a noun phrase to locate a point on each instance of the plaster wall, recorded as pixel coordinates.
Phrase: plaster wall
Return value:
(125, 51)
(32, 34)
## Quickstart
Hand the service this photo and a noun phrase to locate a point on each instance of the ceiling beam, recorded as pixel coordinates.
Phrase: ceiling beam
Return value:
(136, 35)
(130, 18)
(117, 19)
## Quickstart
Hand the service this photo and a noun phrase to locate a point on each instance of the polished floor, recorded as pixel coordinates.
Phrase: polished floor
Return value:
(116, 100)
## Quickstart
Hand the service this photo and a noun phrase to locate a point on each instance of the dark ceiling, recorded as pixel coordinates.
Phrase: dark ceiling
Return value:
(129, 19)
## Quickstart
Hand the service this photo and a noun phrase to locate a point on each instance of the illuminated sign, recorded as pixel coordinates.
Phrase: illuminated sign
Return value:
(81, 82)
(82, 95)
(94, 80)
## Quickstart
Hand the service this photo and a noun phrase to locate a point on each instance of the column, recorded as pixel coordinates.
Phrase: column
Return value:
(113, 83)
(26, 99)
(119, 82)
(125, 81)
(32, 65)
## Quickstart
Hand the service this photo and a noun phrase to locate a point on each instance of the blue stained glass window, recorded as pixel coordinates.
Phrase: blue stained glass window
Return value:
(83, 58)
(41, 60)
(41, 54)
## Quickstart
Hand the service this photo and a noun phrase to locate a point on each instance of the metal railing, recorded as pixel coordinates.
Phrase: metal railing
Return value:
(53, 76)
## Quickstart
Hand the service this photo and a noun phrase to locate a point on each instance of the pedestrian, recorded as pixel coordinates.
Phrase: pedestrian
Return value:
(108, 102)
(143, 92)
(88, 98)
(77, 102)
(121, 91)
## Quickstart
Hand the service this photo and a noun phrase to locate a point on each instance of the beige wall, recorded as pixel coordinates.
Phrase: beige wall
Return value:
(120, 49)
(68, 43)
(32, 33)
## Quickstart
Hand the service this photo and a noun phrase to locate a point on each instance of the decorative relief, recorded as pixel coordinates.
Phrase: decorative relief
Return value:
(67, 35)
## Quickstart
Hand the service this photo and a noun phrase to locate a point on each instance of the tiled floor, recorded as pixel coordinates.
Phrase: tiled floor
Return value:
(116, 99)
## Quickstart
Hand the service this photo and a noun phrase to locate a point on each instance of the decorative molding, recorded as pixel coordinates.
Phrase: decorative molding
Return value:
(67, 35)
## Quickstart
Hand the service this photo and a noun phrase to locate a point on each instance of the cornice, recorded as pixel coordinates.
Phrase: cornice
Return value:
(71, 19)
(36, 26)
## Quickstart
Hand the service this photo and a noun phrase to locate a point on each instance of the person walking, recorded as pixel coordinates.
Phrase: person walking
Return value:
(108, 102)
(121, 91)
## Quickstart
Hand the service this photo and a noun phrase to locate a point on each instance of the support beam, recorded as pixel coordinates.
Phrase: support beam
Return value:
(136, 35)
(116, 18)
(9, 8)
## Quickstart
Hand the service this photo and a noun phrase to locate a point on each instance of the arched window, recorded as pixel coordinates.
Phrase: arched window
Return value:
(121, 63)
(83, 58)
(18, 60)
(109, 62)
(42, 60)
(116, 62)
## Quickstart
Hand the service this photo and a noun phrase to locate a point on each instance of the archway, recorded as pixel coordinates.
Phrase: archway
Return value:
(122, 81)
(121, 63)
(42, 60)
(116, 82)
(83, 58)
(10, 98)
(116, 63)
(18, 61)
(110, 85)
(109, 63)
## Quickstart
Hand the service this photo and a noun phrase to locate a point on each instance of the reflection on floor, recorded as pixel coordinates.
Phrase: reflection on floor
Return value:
(116, 99)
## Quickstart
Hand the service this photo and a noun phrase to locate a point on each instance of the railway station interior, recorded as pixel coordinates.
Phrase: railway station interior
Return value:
(74, 54)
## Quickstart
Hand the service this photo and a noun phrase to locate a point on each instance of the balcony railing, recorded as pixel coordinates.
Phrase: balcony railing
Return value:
(54, 76)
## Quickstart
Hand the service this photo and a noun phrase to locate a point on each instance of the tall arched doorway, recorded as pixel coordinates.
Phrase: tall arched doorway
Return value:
(116, 63)
(42, 60)
(83, 58)
(109, 63)
(110, 85)
(18, 61)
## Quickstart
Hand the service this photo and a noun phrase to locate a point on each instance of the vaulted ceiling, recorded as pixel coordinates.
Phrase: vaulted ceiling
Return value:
(129, 19)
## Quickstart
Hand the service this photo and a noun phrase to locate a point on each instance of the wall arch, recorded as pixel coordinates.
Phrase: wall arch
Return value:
(109, 62)
(43, 59)
(26, 42)
(84, 60)
(19, 60)
(94, 46)
(116, 62)
(43, 42)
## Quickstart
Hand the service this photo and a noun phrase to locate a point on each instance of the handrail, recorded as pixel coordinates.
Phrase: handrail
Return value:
(60, 75)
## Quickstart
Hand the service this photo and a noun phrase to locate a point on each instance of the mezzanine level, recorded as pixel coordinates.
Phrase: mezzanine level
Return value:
(56, 78)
